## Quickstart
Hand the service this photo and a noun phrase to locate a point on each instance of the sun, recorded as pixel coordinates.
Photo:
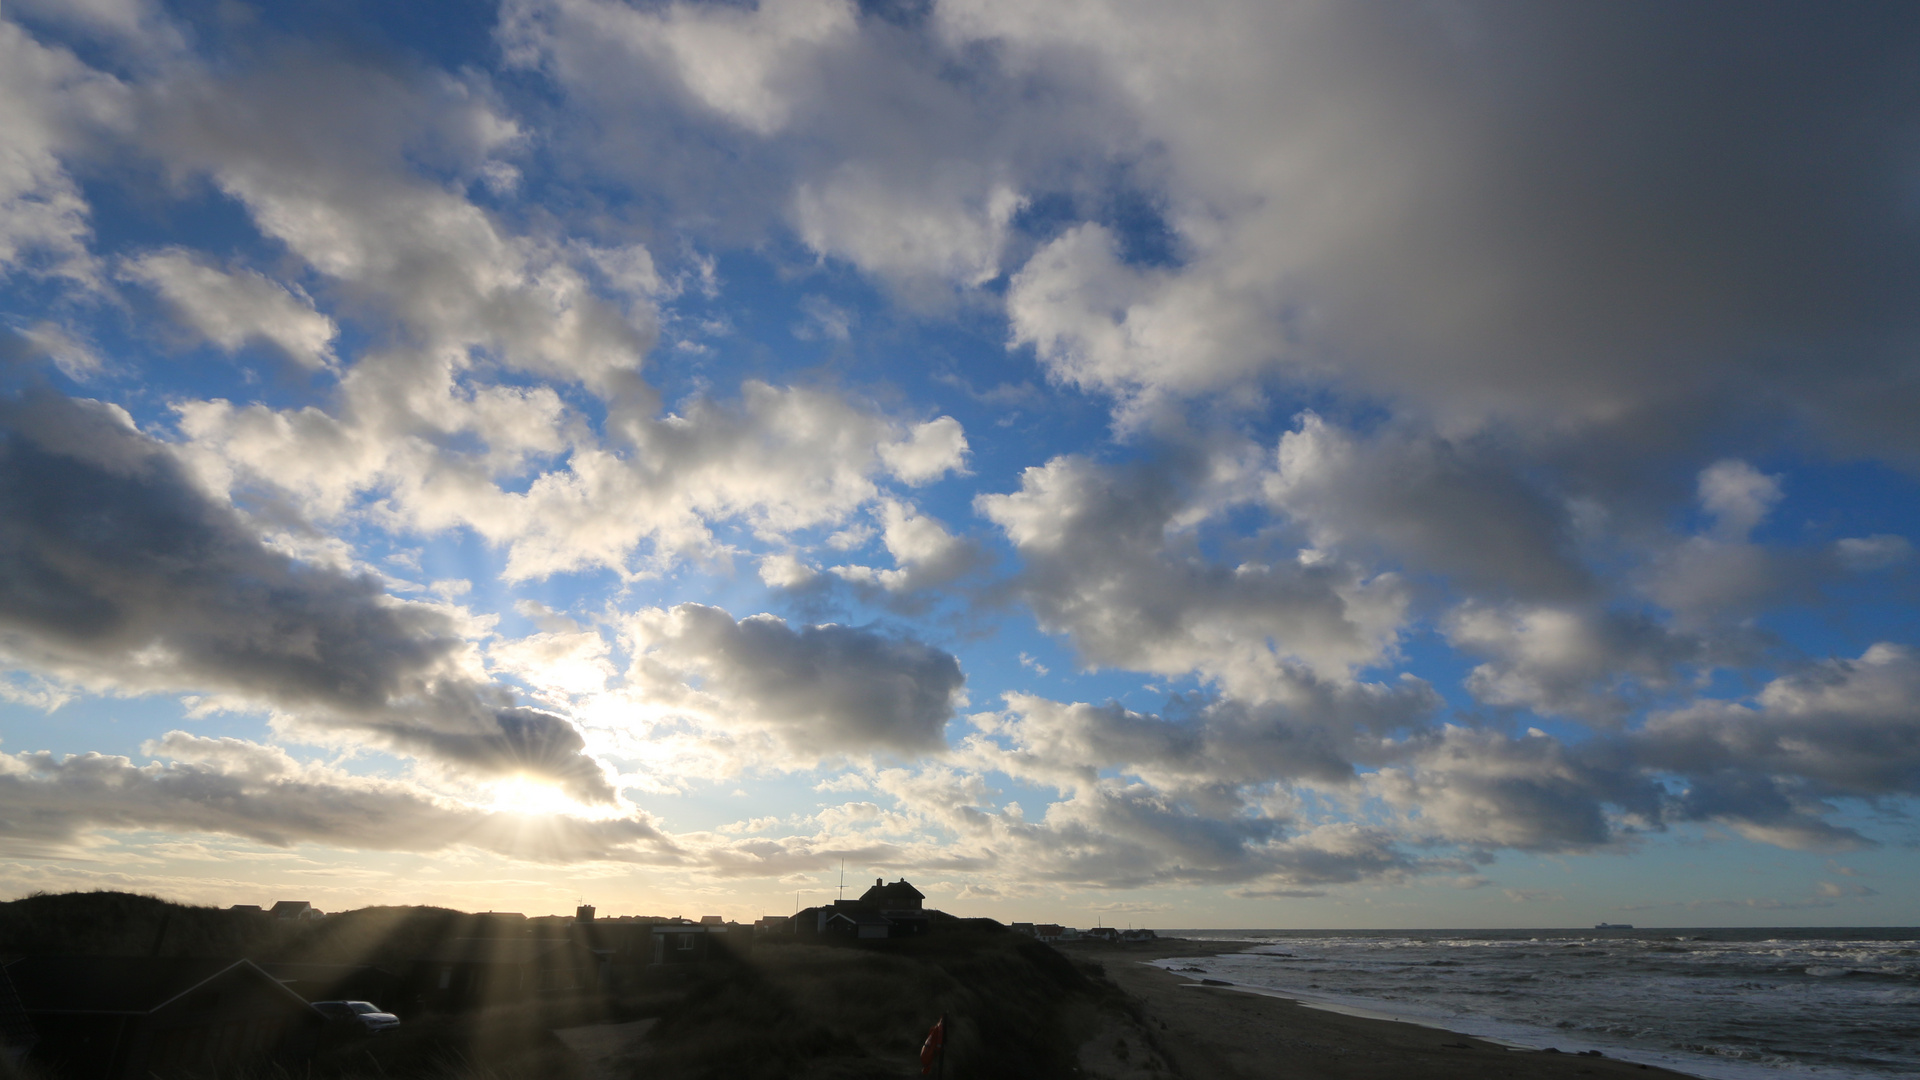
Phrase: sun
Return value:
(529, 797)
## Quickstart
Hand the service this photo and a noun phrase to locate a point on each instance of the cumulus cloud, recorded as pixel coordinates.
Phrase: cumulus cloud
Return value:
(1108, 561)
(118, 572)
(815, 690)
(1574, 660)
(1438, 506)
(925, 554)
(1846, 727)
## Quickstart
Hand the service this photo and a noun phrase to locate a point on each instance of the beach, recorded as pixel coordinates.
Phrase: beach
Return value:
(1219, 1032)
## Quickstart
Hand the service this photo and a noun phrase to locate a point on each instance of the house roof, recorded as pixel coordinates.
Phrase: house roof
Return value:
(861, 918)
(119, 984)
(898, 894)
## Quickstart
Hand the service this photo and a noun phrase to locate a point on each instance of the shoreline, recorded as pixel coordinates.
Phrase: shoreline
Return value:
(1246, 1033)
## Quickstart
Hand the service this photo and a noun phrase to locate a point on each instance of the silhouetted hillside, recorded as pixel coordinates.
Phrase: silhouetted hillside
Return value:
(128, 924)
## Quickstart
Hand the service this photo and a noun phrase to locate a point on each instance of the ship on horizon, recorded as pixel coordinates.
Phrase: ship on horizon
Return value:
(1613, 926)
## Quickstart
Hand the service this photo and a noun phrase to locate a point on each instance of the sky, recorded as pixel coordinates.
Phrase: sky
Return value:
(1219, 464)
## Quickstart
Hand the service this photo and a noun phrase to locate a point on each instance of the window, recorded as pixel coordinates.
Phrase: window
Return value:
(686, 943)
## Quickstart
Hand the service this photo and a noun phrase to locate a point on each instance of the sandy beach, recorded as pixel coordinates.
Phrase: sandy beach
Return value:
(1217, 1032)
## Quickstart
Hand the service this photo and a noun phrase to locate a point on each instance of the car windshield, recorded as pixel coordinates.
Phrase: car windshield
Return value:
(362, 1007)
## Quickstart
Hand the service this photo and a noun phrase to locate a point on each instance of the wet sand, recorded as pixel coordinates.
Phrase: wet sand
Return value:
(1217, 1033)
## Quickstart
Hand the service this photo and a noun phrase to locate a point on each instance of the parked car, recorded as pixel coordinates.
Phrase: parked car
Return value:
(365, 1014)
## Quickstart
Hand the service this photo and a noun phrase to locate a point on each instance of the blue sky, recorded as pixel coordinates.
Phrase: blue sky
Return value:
(1198, 465)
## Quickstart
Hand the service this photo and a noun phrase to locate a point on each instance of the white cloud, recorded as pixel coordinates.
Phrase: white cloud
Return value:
(930, 451)
(1738, 496)
(925, 554)
(233, 309)
(49, 102)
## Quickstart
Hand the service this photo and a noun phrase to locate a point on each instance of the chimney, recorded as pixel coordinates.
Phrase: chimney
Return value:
(876, 882)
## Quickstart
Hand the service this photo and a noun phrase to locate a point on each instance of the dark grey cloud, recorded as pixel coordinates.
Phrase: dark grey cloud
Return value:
(1437, 506)
(824, 689)
(1837, 729)
(116, 567)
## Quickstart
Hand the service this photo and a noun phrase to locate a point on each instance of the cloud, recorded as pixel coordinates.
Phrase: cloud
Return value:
(116, 571)
(233, 309)
(49, 101)
(1224, 745)
(928, 452)
(1417, 218)
(243, 789)
(1109, 560)
(1575, 660)
(1844, 727)
(925, 554)
(1439, 506)
(815, 691)
(1485, 789)
(1738, 496)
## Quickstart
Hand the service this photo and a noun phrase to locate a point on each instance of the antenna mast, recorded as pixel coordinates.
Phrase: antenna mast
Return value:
(843, 877)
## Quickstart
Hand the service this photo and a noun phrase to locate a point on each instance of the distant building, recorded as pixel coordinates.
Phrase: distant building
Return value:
(583, 913)
(295, 909)
(1102, 933)
(883, 911)
(248, 909)
(131, 1018)
(1021, 928)
(898, 896)
(1141, 934)
(1048, 931)
(773, 924)
(693, 943)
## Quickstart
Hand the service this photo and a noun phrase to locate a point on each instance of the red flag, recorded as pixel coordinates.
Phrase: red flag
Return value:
(930, 1050)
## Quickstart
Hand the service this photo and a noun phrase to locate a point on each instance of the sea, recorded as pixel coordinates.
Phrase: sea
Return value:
(1727, 1004)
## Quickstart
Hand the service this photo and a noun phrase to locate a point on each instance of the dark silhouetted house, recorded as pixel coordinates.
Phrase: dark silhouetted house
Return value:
(1108, 934)
(898, 896)
(248, 909)
(773, 924)
(294, 909)
(583, 913)
(135, 1018)
(1141, 934)
(883, 911)
(463, 973)
(1049, 931)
